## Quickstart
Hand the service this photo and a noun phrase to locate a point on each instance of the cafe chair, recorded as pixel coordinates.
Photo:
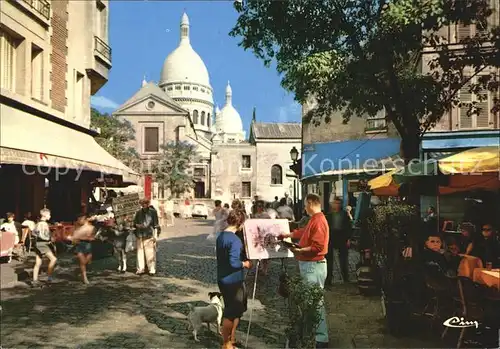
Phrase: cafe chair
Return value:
(469, 305)
(438, 286)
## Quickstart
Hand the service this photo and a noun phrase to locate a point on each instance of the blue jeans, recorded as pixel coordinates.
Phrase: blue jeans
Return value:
(315, 272)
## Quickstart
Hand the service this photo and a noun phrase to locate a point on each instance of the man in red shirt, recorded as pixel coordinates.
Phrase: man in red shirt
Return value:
(311, 252)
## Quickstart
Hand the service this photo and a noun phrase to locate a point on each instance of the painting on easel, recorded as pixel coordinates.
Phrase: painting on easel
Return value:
(261, 238)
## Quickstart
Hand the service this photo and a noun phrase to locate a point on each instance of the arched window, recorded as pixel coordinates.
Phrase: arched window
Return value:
(209, 120)
(203, 118)
(276, 174)
(195, 117)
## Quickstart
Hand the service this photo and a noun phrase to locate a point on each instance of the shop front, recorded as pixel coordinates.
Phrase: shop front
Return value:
(437, 145)
(49, 164)
(339, 169)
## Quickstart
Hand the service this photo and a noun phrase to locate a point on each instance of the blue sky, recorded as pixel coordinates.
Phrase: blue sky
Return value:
(143, 33)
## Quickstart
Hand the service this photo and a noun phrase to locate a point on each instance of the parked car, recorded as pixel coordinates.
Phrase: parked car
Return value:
(199, 210)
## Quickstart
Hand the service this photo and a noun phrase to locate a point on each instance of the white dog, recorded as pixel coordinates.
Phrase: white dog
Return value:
(208, 314)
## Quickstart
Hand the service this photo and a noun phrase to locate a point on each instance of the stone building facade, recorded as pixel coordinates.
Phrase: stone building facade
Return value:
(180, 109)
(53, 56)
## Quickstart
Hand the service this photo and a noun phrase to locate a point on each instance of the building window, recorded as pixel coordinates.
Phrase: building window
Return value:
(376, 123)
(209, 121)
(231, 140)
(8, 46)
(203, 118)
(36, 73)
(177, 87)
(195, 88)
(150, 105)
(170, 88)
(151, 139)
(479, 116)
(195, 117)
(186, 87)
(246, 189)
(246, 162)
(202, 89)
(199, 172)
(276, 174)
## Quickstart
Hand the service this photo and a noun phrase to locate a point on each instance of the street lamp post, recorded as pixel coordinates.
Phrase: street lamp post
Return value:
(294, 155)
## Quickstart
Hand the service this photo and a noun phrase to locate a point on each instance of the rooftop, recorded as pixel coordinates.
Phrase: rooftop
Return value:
(276, 130)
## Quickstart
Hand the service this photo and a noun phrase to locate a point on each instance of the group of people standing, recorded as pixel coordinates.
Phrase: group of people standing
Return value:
(39, 238)
(312, 253)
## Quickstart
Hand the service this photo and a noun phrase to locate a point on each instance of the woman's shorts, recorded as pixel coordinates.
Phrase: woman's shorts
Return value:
(84, 247)
(235, 300)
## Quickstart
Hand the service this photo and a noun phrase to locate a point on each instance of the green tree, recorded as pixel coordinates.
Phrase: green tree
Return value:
(115, 136)
(359, 57)
(172, 167)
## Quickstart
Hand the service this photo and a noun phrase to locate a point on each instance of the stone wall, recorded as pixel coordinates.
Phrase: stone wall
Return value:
(274, 153)
(227, 173)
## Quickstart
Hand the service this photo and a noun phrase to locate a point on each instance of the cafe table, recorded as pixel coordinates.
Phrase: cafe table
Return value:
(468, 264)
(490, 278)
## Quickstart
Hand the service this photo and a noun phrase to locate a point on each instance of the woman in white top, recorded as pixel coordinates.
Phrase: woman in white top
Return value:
(220, 214)
(10, 226)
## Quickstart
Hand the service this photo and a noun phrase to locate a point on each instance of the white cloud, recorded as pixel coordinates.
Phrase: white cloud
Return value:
(103, 102)
(290, 112)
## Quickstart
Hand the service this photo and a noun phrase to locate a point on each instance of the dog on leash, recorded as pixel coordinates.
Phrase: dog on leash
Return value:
(211, 313)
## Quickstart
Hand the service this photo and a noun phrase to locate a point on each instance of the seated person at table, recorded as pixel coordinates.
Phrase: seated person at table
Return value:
(433, 255)
(452, 254)
(466, 237)
(486, 247)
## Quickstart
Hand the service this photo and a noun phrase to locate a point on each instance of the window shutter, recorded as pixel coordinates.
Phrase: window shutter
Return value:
(483, 115)
(7, 61)
(465, 120)
(463, 31)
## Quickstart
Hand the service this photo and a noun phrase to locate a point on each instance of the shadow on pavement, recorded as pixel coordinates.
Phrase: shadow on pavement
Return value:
(193, 257)
(66, 303)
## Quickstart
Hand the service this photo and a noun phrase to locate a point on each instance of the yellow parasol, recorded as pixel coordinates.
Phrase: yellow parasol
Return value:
(476, 160)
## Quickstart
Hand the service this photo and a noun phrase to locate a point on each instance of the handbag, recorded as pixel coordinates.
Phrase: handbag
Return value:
(283, 288)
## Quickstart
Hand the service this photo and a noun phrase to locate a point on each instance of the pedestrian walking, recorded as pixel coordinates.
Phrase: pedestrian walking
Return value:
(43, 246)
(340, 226)
(313, 247)
(146, 231)
(285, 211)
(220, 214)
(83, 236)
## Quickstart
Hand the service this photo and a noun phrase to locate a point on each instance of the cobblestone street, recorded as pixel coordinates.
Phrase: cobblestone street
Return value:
(129, 311)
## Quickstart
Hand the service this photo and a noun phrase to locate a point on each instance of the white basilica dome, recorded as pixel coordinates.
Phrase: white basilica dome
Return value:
(184, 64)
(228, 120)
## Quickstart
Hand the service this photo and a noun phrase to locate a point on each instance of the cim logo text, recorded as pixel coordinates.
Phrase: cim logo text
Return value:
(460, 322)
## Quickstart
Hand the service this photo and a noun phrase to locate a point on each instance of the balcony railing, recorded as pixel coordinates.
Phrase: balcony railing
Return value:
(40, 6)
(102, 48)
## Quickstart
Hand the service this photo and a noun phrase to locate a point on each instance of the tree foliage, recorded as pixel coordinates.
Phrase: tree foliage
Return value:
(114, 137)
(359, 57)
(172, 167)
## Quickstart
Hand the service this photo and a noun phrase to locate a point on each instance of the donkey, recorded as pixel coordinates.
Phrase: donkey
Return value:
(117, 234)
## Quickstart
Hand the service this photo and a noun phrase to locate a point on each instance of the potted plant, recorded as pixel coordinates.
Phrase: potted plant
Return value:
(394, 226)
(304, 302)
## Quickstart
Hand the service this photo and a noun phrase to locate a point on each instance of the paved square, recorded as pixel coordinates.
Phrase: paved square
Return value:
(129, 311)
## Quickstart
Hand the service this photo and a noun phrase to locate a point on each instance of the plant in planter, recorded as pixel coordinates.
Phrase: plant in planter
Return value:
(304, 302)
(394, 226)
